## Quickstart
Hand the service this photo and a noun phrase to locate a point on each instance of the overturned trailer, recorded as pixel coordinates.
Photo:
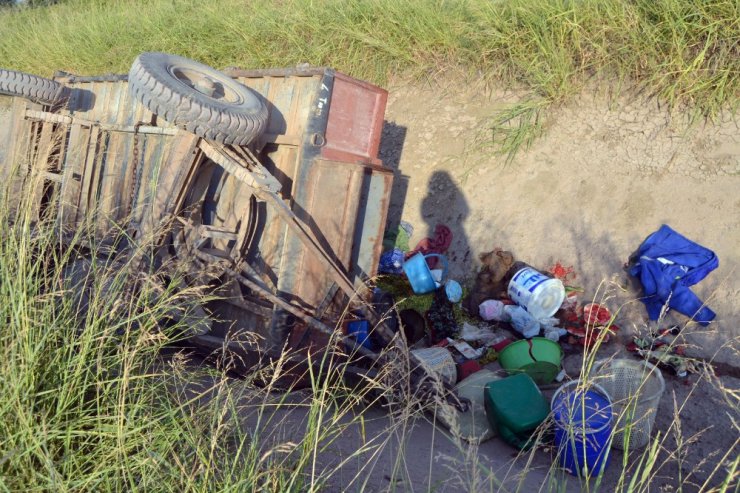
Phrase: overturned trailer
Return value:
(264, 184)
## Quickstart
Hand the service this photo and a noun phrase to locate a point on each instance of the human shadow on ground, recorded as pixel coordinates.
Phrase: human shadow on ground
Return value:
(446, 205)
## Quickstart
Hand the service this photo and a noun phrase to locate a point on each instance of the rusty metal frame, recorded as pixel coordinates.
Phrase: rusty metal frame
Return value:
(150, 148)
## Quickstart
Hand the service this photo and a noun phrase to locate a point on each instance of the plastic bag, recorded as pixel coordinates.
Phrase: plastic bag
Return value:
(549, 322)
(522, 321)
(470, 333)
(554, 333)
(453, 290)
(472, 426)
(492, 310)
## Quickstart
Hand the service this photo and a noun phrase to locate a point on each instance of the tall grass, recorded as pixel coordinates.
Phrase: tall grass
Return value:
(89, 402)
(686, 52)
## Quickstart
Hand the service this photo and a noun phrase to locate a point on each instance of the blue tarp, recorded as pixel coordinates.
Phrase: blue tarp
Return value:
(667, 264)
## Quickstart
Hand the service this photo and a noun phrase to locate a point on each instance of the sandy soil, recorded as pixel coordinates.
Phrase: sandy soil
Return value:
(607, 172)
(604, 176)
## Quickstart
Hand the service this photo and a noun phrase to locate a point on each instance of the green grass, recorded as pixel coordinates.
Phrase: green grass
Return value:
(686, 52)
(91, 405)
(88, 402)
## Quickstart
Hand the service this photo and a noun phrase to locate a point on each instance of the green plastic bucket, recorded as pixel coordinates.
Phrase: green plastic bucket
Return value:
(540, 358)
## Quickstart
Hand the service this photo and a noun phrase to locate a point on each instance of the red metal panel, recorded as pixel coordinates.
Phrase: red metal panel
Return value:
(355, 121)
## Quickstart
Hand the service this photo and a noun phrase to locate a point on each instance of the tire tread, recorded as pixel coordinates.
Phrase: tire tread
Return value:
(34, 88)
(227, 125)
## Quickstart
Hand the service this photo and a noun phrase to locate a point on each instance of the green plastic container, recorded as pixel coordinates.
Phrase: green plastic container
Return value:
(515, 407)
(541, 361)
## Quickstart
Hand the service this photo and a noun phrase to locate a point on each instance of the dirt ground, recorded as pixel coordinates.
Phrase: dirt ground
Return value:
(603, 177)
(414, 455)
(607, 173)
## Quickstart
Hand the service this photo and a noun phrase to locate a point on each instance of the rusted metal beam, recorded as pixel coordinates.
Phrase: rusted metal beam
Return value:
(43, 116)
(294, 310)
(256, 179)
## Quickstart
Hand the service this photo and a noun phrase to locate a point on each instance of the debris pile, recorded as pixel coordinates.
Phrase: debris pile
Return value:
(514, 324)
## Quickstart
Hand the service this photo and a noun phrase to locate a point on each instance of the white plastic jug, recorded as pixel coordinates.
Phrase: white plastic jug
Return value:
(537, 293)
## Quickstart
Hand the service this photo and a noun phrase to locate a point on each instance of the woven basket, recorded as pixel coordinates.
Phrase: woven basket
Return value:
(635, 388)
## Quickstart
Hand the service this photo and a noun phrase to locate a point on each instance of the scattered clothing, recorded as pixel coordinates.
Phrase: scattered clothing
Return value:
(414, 326)
(391, 262)
(399, 238)
(407, 227)
(467, 368)
(667, 263)
(438, 244)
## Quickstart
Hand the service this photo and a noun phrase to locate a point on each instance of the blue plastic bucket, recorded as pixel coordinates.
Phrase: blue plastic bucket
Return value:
(583, 428)
(360, 330)
(419, 275)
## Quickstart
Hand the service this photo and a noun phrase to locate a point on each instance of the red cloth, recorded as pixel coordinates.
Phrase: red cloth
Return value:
(466, 369)
(438, 244)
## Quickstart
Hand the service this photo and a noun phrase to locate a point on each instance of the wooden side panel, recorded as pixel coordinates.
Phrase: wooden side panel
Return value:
(73, 172)
(289, 101)
(173, 178)
(17, 143)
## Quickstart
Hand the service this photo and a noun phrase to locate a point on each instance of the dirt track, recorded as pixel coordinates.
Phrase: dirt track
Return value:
(603, 177)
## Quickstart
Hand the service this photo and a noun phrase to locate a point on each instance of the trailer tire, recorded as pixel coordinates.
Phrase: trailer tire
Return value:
(32, 87)
(198, 98)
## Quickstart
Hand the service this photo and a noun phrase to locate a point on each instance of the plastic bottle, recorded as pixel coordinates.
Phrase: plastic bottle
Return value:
(522, 321)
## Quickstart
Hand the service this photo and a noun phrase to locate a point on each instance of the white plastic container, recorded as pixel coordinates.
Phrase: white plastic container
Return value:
(537, 293)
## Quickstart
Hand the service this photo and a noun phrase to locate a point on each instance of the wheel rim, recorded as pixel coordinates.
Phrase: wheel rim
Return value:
(195, 212)
(206, 84)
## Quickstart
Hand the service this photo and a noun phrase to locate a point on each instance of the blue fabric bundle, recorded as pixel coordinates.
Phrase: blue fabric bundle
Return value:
(391, 262)
(667, 264)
